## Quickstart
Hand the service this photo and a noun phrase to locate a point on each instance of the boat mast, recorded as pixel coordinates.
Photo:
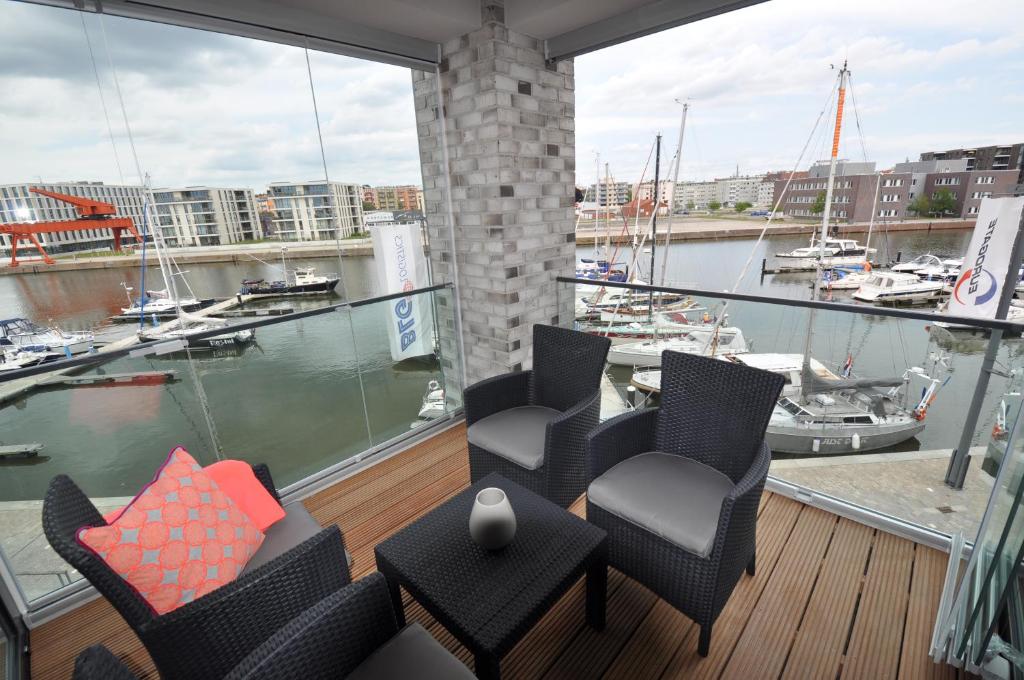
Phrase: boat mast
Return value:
(597, 198)
(672, 194)
(607, 217)
(654, 220)
(825, 215)
(871, 224)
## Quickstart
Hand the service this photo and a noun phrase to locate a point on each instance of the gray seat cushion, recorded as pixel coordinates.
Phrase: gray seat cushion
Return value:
(516, 434)
(295, 527)
(413, 653)
(673, 497)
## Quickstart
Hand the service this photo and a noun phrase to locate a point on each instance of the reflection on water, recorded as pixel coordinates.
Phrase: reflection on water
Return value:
(295, 399)
(292, 400)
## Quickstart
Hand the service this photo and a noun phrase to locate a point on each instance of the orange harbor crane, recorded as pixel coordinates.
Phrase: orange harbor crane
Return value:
(92, 215)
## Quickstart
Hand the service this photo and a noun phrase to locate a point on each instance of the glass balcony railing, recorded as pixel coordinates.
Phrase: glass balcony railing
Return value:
(309, 392)
(872, 421)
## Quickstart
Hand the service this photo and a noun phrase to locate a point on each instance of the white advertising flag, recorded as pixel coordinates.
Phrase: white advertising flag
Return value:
(983, 273)
(402, 266)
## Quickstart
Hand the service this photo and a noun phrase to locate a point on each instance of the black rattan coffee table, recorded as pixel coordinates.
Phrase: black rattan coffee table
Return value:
(489, 600)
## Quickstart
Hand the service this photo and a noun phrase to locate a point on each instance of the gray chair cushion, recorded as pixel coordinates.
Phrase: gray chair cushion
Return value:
(295, 527)
(673, 497)
(413, 653)
(516, 434)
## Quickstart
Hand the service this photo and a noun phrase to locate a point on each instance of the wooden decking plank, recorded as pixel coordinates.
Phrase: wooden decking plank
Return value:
(591, 652)
(762, 649)
(652, 645)
(926, 583)
(774, 529)
(365, 494)
(874, 650)
(822, 637)
(556, 630)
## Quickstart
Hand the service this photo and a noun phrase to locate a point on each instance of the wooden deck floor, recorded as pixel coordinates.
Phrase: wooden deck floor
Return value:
(831, 598)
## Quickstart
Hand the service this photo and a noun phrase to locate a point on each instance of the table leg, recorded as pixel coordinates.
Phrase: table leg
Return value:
(396, 600)
(597, 590)
(488, 667)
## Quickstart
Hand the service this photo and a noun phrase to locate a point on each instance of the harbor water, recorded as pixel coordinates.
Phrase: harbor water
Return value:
(295, 400)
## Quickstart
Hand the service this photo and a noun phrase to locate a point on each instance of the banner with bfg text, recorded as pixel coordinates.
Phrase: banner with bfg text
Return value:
(983, 273)
(402, 266)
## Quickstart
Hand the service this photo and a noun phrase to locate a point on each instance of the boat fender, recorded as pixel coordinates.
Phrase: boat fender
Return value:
(855, 441)
(816, 445)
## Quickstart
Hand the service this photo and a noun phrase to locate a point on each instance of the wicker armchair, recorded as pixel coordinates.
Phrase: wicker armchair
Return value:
(351, 634)
(677, 488)
(97, 663)
(210, 635)
(529, 426)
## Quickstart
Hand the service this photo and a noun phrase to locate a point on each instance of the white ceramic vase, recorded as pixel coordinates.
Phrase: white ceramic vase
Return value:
(492, 523)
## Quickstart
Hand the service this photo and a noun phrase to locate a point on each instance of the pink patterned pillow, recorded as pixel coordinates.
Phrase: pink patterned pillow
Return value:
(180, 538)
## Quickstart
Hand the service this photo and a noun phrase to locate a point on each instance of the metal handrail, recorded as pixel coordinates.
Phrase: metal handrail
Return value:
(103, 357)
(987, 324)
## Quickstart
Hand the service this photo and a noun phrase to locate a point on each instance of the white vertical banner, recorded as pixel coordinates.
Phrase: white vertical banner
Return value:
(987, 260)
(402, 266)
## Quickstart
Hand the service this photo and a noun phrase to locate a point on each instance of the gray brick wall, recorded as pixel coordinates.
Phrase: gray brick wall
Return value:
(509, 120)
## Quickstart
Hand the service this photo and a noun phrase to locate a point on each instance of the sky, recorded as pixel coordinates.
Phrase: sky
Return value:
(205, 108)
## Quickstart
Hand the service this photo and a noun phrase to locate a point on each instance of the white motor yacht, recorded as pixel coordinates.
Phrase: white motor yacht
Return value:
(837, 252)
(892, 288)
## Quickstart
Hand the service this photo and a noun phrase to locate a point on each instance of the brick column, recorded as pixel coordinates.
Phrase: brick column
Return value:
(509, 125)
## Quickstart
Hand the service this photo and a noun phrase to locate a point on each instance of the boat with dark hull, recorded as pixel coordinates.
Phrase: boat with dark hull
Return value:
(306, 282)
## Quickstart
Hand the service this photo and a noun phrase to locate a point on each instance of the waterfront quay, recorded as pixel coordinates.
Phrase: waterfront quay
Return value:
(701, 228)
(238, 253)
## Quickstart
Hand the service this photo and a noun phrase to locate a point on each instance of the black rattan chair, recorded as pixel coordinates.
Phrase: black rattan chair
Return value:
(529, 426)
(677, 488)
(351, 634)
(97, 663)
(296, 567)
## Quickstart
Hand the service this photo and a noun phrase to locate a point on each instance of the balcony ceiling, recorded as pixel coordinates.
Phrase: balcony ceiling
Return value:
(408, 32)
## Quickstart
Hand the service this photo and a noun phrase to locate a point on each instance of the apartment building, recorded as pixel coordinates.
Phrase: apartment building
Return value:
(318, 210)
(207, 216)
(406, 197)
(610, 193)
(645, 192)
(1002, 157)
(18, 204)
(732, 190)
(968, 188)
(700, 194)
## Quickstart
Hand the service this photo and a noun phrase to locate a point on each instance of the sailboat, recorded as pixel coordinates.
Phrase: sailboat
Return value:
(186, 325)
(20, 333)
(820, 413)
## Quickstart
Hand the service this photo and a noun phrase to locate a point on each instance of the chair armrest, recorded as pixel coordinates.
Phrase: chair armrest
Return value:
(619, 438)
(98, 663)
(222, 627)
(262, 473)
(580, 419)
(330, 639)
(738, 515)
(491, 395)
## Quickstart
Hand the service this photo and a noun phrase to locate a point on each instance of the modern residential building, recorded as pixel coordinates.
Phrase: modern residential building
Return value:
(620, 193)
(1002, 157)
(732, 190)
(402, 197)
(317, 210)
(645, 191)
(969, 188)
(18, 204)
(765, 194)
(699, 194)
(207, 216)
(853, 194)
(856, 184)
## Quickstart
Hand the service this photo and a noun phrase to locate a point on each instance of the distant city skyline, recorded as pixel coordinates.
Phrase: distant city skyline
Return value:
(217, 110)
